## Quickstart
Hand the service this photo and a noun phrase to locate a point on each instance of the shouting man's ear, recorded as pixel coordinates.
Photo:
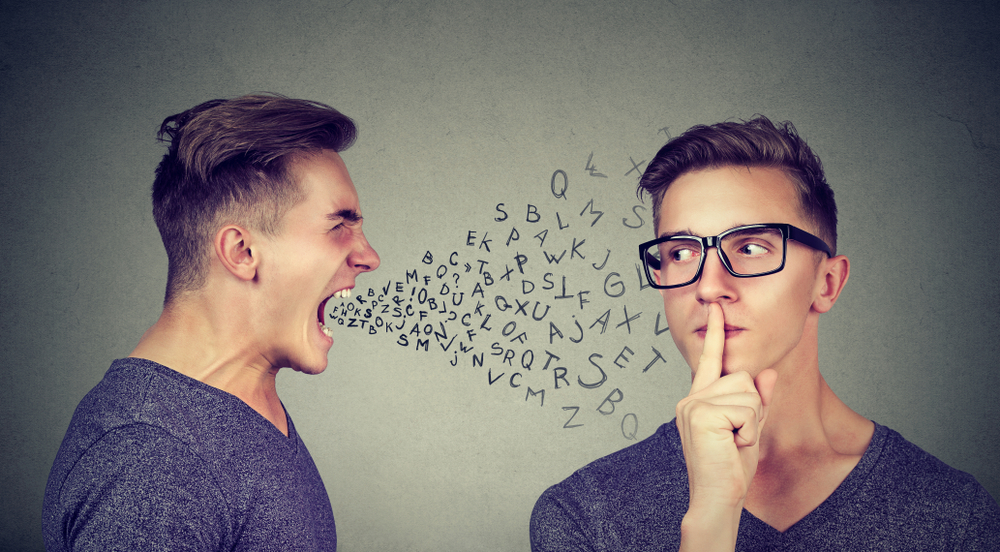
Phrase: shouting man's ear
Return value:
(232, 247)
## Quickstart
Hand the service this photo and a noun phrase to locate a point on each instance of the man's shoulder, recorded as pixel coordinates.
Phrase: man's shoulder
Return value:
(142, 399)
(908, 469)
(122, 450)
(900, 497)
(902, 473)
(655, 461)
(131, 411)
(908, 495)
(148, 446)
(138, 392)
(625, 500)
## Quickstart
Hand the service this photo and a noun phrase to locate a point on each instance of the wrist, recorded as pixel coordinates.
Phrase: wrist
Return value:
(710, 529)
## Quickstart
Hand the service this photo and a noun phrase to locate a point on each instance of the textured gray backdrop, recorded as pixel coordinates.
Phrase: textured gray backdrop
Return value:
(463, 105)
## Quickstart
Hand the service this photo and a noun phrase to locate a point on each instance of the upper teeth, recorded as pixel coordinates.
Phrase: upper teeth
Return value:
(342, 294)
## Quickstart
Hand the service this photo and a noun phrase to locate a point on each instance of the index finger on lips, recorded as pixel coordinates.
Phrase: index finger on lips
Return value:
(710, 363)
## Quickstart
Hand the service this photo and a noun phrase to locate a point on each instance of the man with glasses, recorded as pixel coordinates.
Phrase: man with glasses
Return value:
(762, 455)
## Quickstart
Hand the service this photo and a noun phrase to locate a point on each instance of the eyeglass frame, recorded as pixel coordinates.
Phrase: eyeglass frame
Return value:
(788, 232)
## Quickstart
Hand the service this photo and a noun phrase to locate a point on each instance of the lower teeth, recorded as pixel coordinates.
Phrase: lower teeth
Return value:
(326, 331)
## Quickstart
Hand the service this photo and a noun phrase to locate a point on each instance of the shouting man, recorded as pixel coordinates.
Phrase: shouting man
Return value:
(185, 445)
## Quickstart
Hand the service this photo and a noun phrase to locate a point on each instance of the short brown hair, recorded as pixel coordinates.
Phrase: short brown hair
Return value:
(754, 143)
(228, 162)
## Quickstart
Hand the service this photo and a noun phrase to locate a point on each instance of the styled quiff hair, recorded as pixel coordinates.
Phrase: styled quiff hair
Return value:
(754, 143)
(228, 162)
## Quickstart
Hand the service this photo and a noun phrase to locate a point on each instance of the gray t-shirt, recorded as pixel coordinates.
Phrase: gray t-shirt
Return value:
(898, 497)
(155, 460)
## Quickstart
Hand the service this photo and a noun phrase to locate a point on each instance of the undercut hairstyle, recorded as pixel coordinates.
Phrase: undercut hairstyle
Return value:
(754, 143)
(228, 162)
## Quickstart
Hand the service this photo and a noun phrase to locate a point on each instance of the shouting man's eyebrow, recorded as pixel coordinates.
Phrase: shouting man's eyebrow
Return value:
(349, 215)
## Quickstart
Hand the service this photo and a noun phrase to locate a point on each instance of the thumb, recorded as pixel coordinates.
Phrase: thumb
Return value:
(765, 382)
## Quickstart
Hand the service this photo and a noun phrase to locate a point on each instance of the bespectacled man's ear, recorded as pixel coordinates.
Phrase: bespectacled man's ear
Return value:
(233, 249)
(831, 278)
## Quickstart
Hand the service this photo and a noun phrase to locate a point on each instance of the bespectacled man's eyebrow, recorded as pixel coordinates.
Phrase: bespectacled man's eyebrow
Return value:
(688, 232)
(347, 215)
(685, 232)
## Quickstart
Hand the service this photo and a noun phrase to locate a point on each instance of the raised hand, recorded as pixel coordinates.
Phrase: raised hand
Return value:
(720, 423)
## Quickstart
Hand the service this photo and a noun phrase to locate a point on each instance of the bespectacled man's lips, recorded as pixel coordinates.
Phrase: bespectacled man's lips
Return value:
(731, 330)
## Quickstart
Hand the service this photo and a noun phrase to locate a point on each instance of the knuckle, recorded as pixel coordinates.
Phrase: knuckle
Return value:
(683, 408)
(690, 408)
(743, 377)
(697, 410)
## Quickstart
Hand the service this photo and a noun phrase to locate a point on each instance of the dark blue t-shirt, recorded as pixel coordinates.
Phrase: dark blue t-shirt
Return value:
(898, 497)
(155, 460)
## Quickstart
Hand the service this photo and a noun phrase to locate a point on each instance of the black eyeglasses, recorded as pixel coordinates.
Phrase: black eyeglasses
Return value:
(745, 251)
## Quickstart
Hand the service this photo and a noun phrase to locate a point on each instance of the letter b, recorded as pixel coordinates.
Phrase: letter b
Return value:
(611, 402)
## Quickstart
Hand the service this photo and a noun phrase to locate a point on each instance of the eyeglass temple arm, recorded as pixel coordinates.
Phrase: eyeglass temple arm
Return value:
(806, 238)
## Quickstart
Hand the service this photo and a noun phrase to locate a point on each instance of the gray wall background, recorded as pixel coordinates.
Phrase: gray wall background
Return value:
(463, 105)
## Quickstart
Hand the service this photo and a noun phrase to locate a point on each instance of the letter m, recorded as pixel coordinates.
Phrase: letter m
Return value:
(590, 206)
(532, 393)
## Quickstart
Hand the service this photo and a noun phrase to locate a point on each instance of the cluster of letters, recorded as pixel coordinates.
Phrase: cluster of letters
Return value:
(517, 295)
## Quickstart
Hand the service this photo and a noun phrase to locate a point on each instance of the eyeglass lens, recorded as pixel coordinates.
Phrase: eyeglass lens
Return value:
(748, 252)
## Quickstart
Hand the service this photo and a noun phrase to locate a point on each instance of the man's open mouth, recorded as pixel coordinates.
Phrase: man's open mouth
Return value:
(340, 294)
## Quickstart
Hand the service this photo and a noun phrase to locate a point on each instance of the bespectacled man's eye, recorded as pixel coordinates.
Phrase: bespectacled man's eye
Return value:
(753, 249)
(682, 254)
